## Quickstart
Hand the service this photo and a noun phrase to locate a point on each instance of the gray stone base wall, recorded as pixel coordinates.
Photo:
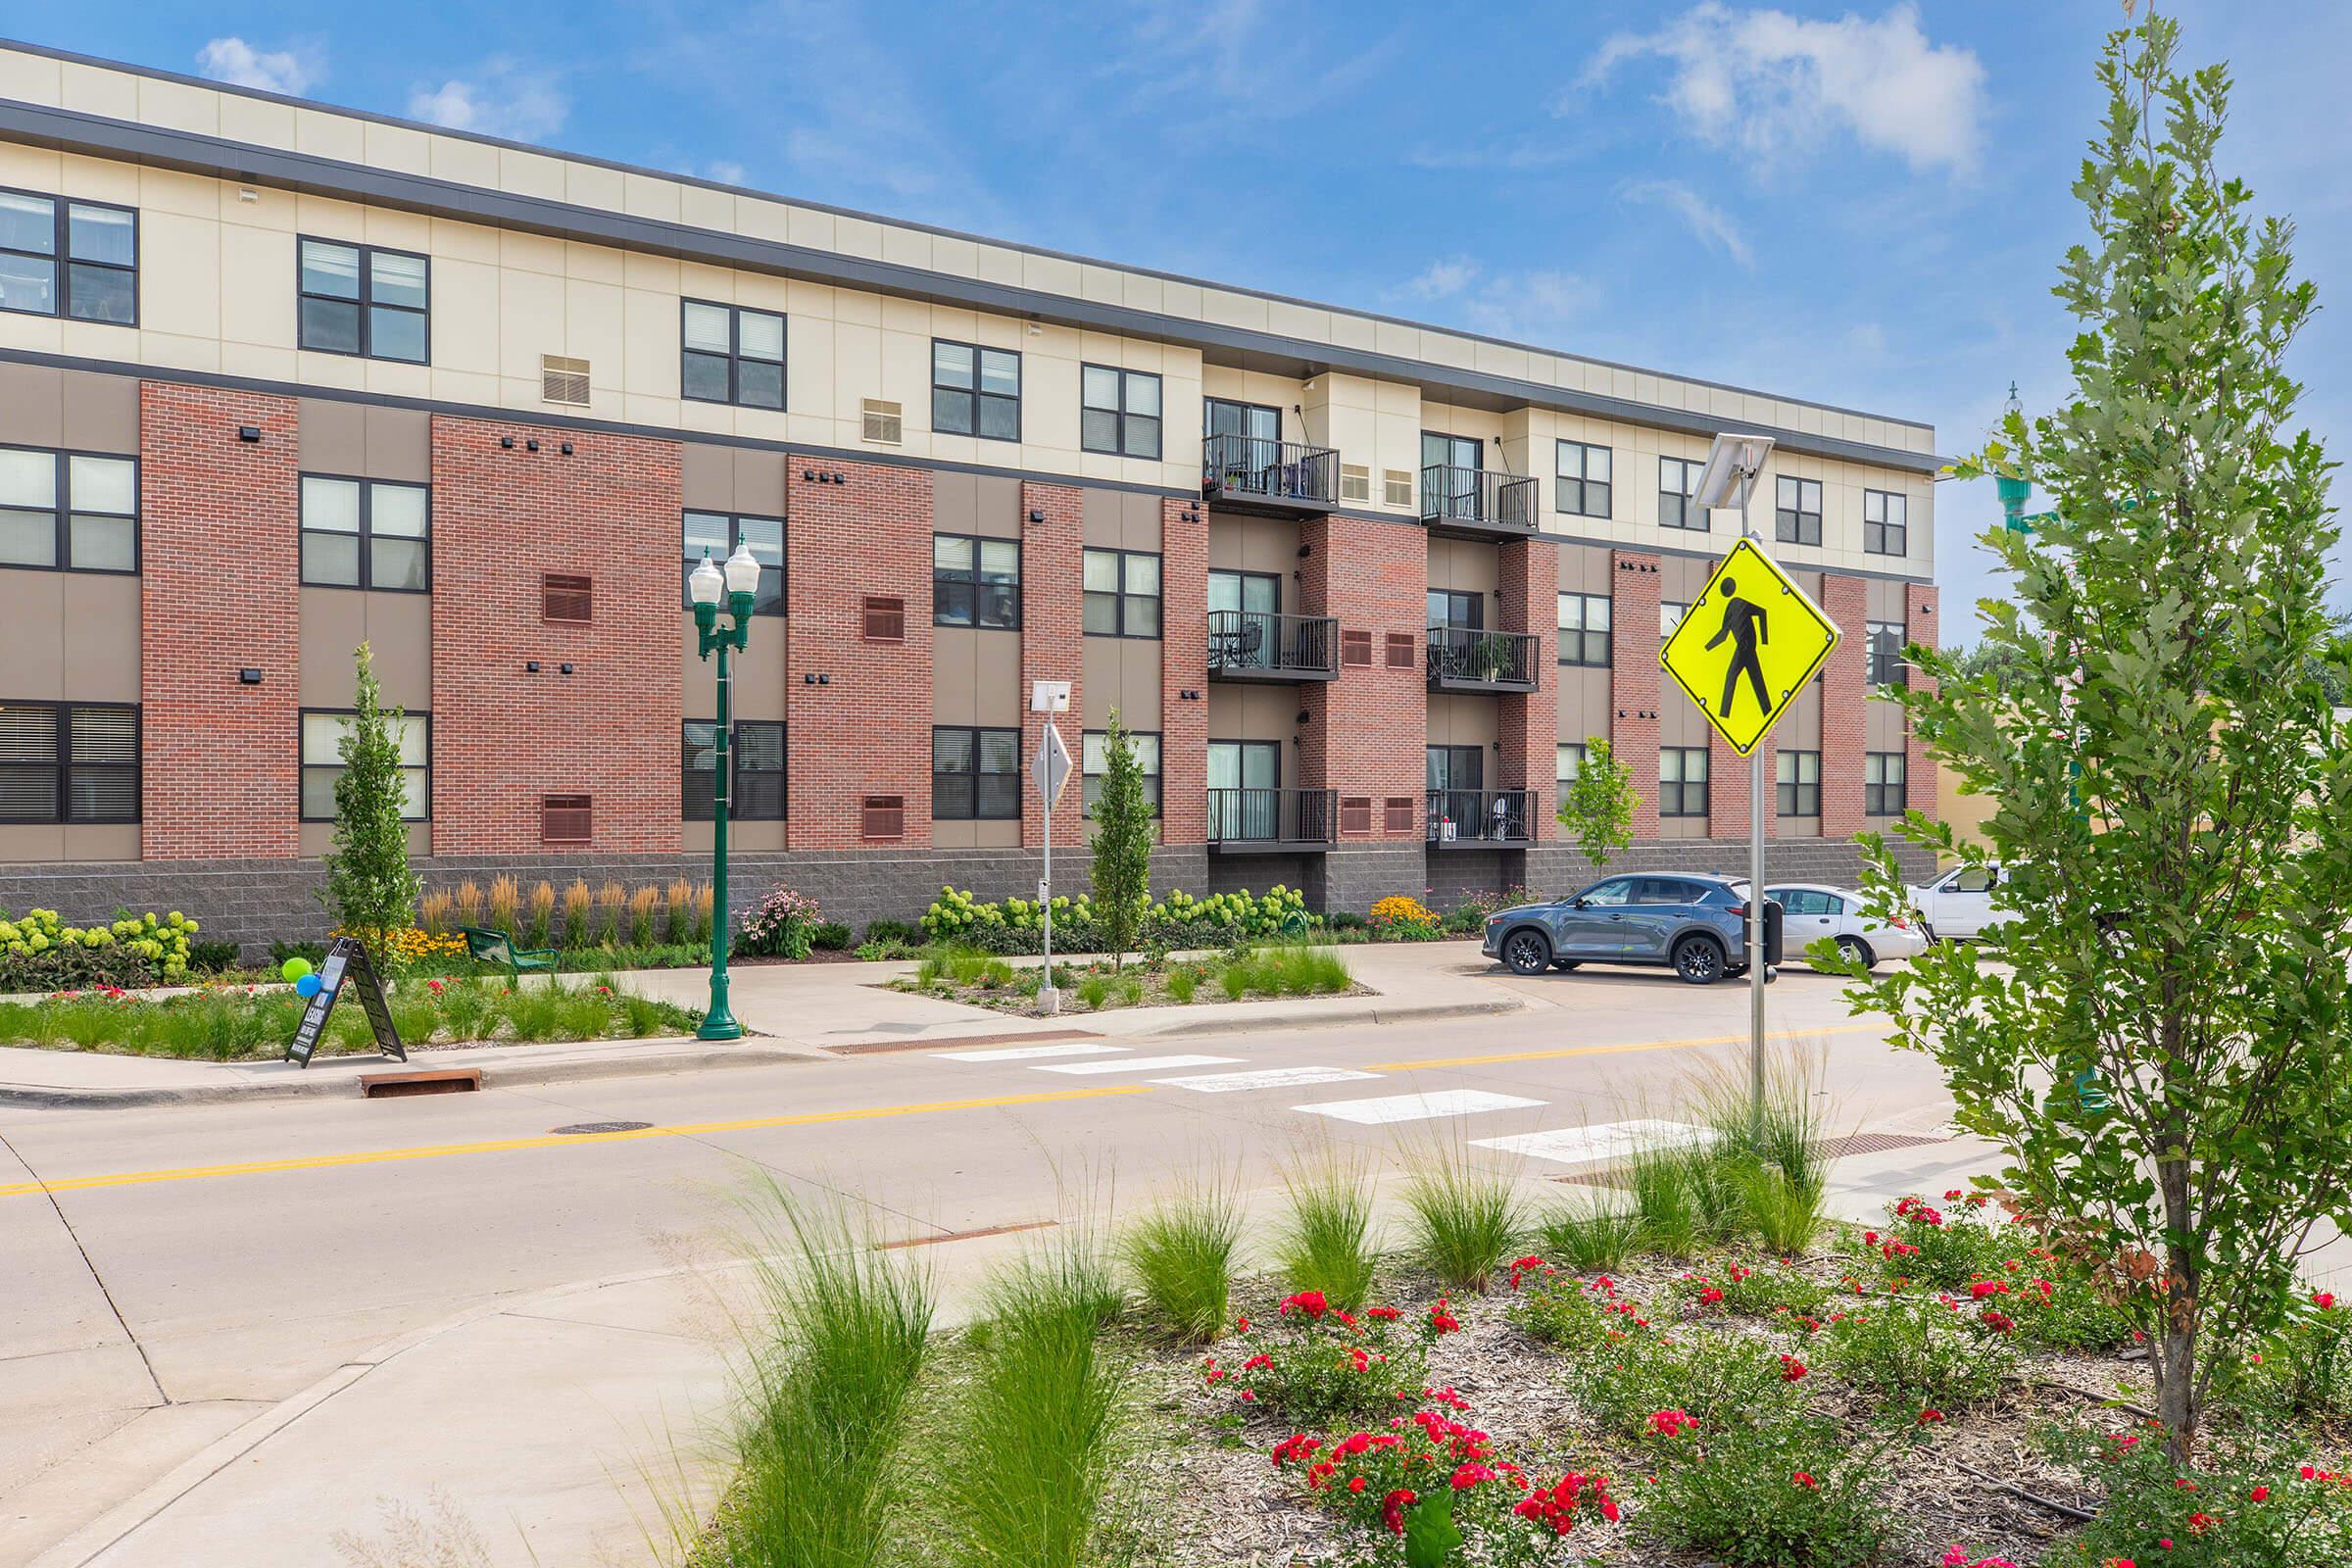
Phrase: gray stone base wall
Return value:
(257, 901)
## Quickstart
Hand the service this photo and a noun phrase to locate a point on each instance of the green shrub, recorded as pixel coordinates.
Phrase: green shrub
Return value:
(1317, 1363)
(1944, 1247)
(2250, 1510)
(1909, 1354)
(1719, 1381)
(1464, 1221)
(830, 936)
(1588, 1238)
(1571, 1314)
(1665, 1212)
(783, 925)
(212, 958)
(1324, 1242)
(1014, 927)
(1794, 1493)
(2303, 1370)
(1283, 969)
(1772, 1290)
(1093, 989)
(40, 952)
(1182, 1255)
(1183, 980)
(893, 931)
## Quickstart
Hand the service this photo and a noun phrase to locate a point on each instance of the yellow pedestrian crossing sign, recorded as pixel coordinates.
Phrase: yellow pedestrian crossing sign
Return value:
(1748, 645)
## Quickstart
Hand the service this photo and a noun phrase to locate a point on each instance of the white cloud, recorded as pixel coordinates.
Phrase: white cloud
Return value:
(726, 171)
(239, 63)
(1702, 217)
(1776, 84)
(1527, 306)
(1442, 279)
(497, 98)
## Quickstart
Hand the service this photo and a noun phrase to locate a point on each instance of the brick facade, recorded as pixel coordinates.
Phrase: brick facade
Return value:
(1367, 733)
(1727, 795)
(1922, 790)
(861, 711)
(1182, 667)
(1633, 677)
(1845, 725)
(1052, 642)
(1527, 599)
(221, 554)
(599, 506)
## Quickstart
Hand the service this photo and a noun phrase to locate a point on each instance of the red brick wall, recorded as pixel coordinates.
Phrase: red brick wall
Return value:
(220, 550)
(1182, 667)
(1368, 731)
(503, 738)
(1920, 605)
(1633, 677)
(1527, 599)
(1728, 792)
(1845, 683)
(1052, 643)
(867, 730)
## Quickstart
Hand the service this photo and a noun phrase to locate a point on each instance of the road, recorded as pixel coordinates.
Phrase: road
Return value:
(174, 1270)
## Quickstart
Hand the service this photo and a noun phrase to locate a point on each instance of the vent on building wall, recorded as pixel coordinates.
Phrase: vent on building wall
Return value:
(1395, 487)
(883, 816)
(1356, 482)
(885, 619)
(1404, 649)
(1397, 814)
(1355, 649)
(562, 598)
(1355, 815)
(567, 818)
(563, 379)
(884, 423)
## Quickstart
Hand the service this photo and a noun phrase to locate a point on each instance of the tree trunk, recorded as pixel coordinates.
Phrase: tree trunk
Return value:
(2176, 1370)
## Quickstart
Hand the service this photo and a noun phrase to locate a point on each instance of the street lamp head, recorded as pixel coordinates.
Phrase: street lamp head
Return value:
(703, 584)
(743, 571)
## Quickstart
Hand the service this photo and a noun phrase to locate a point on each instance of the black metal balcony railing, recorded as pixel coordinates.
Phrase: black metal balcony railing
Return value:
(1245, 817)
(1477, 498)
(1248, 468)
(1482, 816)
(1466, 656)
(1259, 645)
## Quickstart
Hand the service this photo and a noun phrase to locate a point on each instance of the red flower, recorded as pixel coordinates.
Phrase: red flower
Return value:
(1709, 1297)
(2200, 1522)
(2260, 1494)
(1802, 1479)
(1443, 1321)
(1356, 1485)
(1470, 1475)
(1241, 1323)
(2322, 1300)
(1386, 1314)
(1261, 1359)
(1311, 1303)
(1393, 1506)
(1926, 1417)
(1792, 1368)
(1673, 1423)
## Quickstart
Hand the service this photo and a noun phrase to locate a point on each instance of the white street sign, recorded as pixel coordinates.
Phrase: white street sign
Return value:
(1050, 767)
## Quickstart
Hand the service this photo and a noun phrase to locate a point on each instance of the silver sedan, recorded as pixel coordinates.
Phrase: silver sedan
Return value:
(1810, 912)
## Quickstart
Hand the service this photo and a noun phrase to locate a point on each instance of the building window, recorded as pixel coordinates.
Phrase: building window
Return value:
(357, 299)
(1119, 412)
(975, 774)
(1583, 485)
(95, 245)
(975, 581)
(731, 353)
(1886, 783)
(1567, 760)
(1678, 483)
(1122, 594)
(1683, 781)
(1885, 523)
(1796, 512)
(1456, 608)
(1670, 615)
(1094, 759)
(975, 391)
(69, 762)
(719, 533)
(366, 533)
(1585, 631)
(74, 511)
(1797, 781)
(1884, 641)
(755, 758)
(322, 730)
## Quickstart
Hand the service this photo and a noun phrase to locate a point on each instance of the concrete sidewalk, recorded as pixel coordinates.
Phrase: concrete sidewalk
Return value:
(796, 1012)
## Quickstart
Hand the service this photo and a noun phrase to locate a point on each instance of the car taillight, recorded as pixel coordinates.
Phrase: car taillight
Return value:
(1899, 923)
(1740, 910)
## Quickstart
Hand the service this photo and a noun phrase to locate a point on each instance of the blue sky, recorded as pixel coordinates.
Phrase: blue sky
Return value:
(1869, 216)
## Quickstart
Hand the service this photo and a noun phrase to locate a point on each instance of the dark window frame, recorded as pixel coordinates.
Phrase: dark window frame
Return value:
(64, 510)
(971, 579)
(1584, 483)
(974, 393)
(1883, 652)
(364, 300)
(735, 355)
(783, 771)
(62, 765)
(735, 522)
(62, 260)
(303, 769)
(1086, 798)
(1119, 599)
(1454, 599)
(1790, 796)
(1886, 797)
(1789, 522)
(1584, 755)
(1893, 538)
(1685, 804)
(1686, 507)
(367, 533)
(1209, 406)
(1121, 446)
(1584, 634)
(975, 773)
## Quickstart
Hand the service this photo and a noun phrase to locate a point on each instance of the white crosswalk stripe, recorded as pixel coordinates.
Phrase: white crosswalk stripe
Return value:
(1135, 1064)
(1608, 1139)
(1416, 1108)
(1225, 1083)
(1074, 1048)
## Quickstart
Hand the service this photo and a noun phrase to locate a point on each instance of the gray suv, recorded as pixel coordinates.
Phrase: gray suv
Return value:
(1695, 924)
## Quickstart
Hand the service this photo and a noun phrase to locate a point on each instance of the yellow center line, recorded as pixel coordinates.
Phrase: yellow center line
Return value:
(1602, 1051)
(500, 1145)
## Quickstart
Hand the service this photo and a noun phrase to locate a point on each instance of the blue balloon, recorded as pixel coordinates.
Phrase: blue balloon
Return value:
(310, 985)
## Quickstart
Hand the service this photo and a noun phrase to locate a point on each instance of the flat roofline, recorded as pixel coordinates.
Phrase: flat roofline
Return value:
(182, 78)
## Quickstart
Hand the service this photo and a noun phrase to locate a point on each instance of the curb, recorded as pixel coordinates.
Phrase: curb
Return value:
(1423, 1012)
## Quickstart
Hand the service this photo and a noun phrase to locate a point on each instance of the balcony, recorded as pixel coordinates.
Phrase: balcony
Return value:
(1253, 474)
(1482, 819)
(1477, 503)
(1263, 821)
(1257, 645)
(1464, 659)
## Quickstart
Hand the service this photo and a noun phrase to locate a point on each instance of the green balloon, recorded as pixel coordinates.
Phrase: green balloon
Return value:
(294, 970)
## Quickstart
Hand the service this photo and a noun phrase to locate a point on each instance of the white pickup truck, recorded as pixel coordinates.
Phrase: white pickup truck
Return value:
(1958, 905)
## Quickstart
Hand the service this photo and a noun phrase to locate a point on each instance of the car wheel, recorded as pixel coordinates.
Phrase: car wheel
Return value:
(1527, 952)
(1699, 960)
(1858, 950)
(1926, 934)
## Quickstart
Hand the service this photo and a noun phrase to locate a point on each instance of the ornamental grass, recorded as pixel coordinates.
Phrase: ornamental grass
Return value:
(1182, 1255)
(1324, 1241)
(1462, 1222)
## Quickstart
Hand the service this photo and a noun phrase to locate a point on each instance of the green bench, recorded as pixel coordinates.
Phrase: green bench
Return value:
(497, 946)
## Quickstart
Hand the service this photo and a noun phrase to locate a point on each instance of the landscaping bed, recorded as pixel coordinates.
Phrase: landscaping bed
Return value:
(1277, 970)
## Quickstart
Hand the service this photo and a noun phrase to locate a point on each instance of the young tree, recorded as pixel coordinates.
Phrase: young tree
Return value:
(2174, 803)
(370, 887)
(1599, 808)
(1121, 843)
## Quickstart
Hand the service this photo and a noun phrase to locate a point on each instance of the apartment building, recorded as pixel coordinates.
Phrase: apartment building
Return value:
(277, 378)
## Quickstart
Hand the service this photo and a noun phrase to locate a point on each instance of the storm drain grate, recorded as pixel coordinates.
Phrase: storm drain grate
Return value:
(580, 1129)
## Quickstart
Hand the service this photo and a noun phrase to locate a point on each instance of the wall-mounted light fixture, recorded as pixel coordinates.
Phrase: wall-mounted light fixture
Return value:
(248, 677)
(1037, 516)
(563, 669)
(533, 445)
(249, 433)
(567, 449)
(531, 668)
(507, 442)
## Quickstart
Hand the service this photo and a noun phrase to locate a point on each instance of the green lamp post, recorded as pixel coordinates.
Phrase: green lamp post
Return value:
(740, 581)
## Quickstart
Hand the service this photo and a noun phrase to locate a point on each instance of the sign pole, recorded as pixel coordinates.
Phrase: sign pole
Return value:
(1755, 894)
(1048, 999)
(1051, 770)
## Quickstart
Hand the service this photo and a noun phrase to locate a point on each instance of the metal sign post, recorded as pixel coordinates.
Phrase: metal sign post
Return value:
(1051, 770)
